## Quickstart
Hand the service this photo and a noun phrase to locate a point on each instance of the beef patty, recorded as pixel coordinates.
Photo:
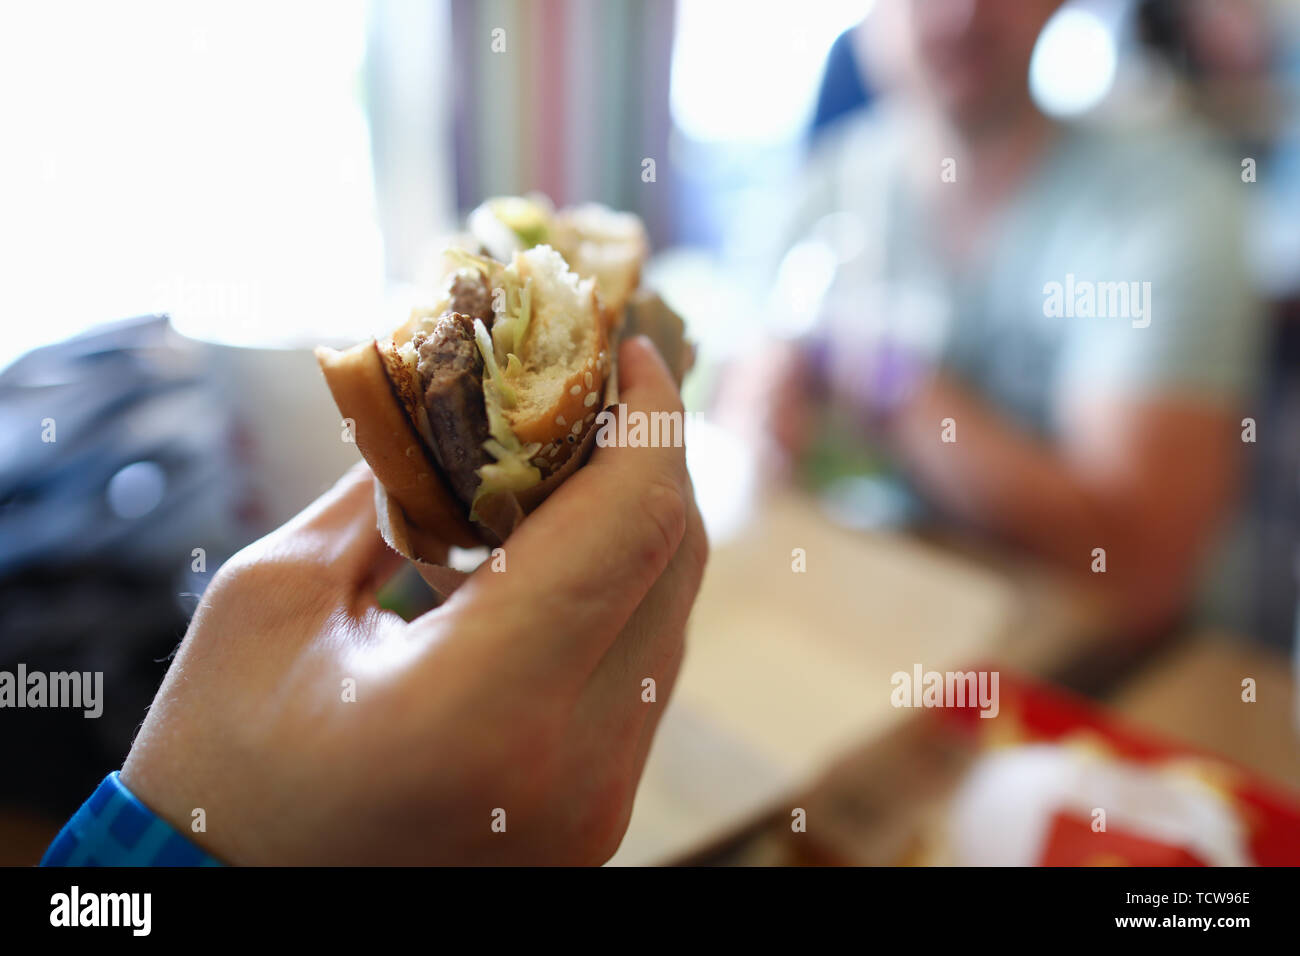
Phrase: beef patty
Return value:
(451, 373)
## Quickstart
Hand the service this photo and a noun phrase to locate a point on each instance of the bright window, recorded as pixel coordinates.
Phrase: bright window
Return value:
(211, 160)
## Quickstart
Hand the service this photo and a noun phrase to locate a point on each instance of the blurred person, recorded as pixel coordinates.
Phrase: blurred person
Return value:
(843, 89)
(1239, 61)
(1225, 52)
(521, 692)
(1070, 431)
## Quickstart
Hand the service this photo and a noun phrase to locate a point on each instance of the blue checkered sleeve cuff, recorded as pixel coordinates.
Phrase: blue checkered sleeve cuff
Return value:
(113, 828)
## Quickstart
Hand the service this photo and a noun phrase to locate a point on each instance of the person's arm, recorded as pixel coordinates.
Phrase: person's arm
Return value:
(506, 726)
(1145, 479)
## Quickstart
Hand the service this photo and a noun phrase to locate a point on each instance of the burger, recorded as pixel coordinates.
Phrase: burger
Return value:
(596, 241)
(480, 404)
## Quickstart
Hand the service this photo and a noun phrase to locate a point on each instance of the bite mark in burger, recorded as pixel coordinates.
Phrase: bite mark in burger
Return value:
(464, 402)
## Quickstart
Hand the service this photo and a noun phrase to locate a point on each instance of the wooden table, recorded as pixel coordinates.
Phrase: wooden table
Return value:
(884, 803)
(787, 671)
(1193, 694)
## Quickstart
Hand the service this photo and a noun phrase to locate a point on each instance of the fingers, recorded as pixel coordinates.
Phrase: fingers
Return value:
(581, 564)
(650, 646)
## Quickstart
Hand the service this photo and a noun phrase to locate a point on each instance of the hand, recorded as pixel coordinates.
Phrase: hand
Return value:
(522, 693)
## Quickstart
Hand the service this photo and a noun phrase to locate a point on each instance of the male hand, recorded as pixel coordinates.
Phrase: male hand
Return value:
(517, 701)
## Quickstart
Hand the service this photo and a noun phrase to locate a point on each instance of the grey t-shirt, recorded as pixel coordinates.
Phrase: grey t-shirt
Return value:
(1158, 205)
(1153, 216)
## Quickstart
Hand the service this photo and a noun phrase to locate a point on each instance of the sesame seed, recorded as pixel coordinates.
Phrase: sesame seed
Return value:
(577, 389)
(570, 439)
(577, 427)
(589, 400)
(559, 420)
(588, 379)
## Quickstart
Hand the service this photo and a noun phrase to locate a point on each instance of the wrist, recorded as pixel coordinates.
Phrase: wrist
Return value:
(115, 828)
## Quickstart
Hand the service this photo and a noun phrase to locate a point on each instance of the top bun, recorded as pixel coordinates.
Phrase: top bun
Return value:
(565, 358)
(609, 246)
(596, 241)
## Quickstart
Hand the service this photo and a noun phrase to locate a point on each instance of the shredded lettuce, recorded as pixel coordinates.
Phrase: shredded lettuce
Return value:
(495, 377)
(525, 314)
(499, 428)
(503, 325)
(464, 259)
(511, 473)
(512, 469)
(511, 327)
(524, 217)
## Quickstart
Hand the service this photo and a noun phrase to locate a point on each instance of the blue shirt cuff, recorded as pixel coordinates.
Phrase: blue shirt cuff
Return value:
(113, 828)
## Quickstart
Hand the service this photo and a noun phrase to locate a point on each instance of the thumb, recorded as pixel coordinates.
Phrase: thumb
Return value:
(587, 557)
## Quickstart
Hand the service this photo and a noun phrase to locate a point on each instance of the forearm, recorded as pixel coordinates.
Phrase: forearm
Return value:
(1062, 504)
(994, 475)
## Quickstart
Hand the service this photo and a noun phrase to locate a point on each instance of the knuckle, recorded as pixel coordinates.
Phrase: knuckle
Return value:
(264, 581)
(606, 819)
(697, 539)
(674, 403)
(246, 572)
(235, 574)
(665, 516)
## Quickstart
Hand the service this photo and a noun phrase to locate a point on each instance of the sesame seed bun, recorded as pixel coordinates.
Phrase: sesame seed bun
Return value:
(609, 246)
(566, 358)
